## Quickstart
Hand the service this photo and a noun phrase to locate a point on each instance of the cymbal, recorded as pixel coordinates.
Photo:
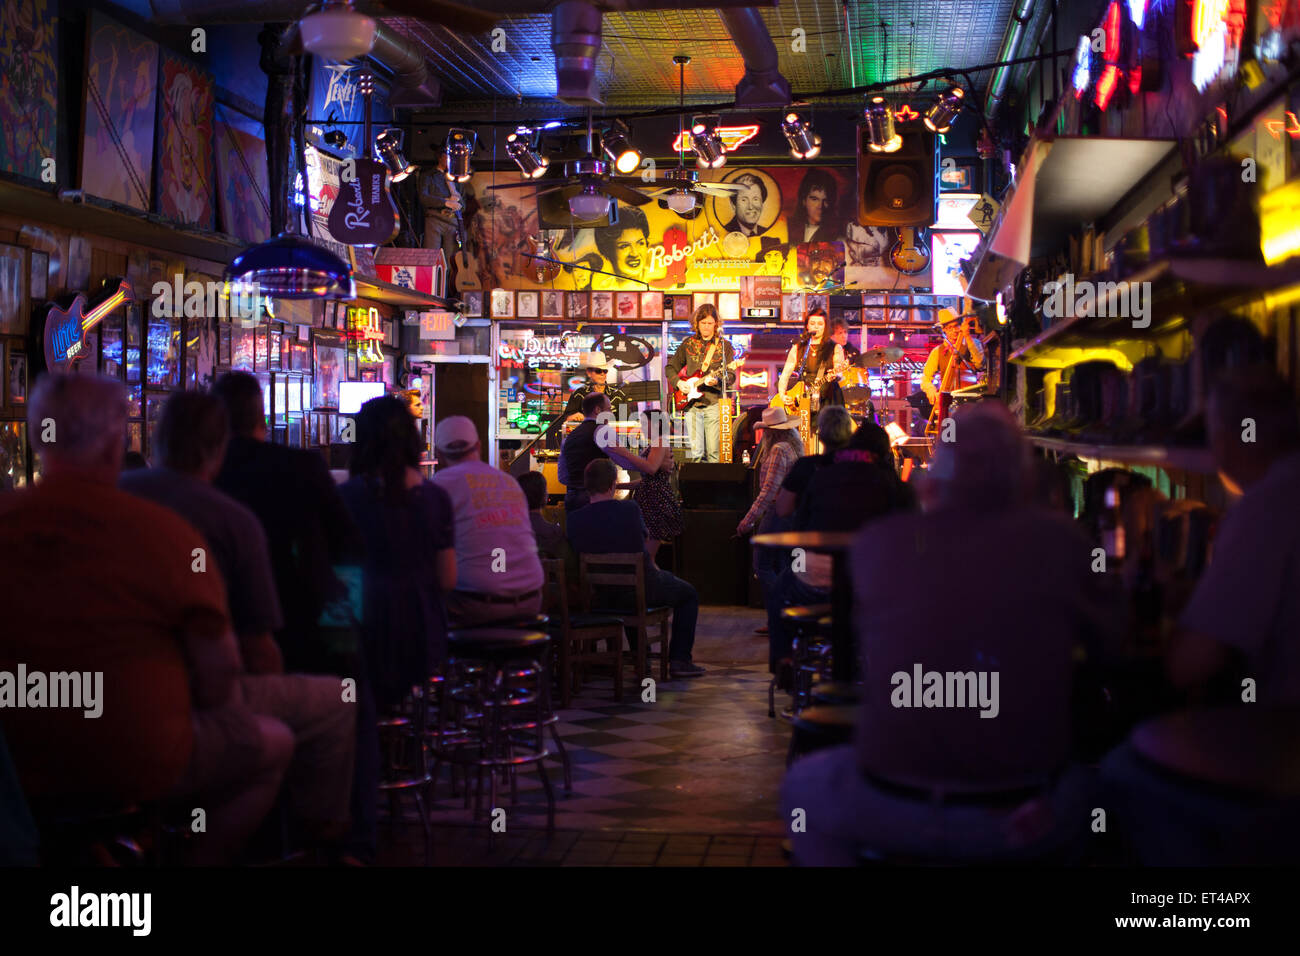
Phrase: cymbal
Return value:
(874, 358)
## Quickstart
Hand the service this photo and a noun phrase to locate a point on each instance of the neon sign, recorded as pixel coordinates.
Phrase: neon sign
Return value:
(733, 137)
(1291, 126)
(1216, 27)
(1137, 12)
(1082, 67)
(1108, 82)
(364, 326)
(559, 350)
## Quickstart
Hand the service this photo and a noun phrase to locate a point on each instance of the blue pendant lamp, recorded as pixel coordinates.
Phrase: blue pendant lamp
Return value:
(293, 267)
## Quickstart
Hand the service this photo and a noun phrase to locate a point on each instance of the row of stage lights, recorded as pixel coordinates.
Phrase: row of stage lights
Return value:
(704, 139)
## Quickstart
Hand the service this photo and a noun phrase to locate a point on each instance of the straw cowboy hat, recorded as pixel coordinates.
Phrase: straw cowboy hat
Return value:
(777, 418)
(595, 360)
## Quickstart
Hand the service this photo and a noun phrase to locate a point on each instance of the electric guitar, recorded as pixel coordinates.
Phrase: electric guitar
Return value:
(364, 213)
(64, 331)
(690, 390)
(910, 254)
(539, 252)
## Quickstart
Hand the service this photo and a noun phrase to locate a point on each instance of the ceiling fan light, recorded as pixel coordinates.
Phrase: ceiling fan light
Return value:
(529, 161)
(939, 117)
(292, 267)
(586, 206)
(337, 33)
(680, 202)
(460, 145)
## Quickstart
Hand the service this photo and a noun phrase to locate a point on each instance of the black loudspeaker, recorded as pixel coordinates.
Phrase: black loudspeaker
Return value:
(897, 189)
(712, 559)
(709, 485)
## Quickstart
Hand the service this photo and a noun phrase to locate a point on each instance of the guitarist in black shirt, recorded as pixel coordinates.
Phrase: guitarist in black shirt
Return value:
(697, 372)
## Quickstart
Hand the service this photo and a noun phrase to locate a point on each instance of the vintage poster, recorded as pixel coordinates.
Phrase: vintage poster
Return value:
(241, 175)
(779, 217)
(117, 148)
(29, 87)
(185, 184)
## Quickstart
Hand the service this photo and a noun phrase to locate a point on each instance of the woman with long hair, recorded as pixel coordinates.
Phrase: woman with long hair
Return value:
(815, 356)
(410, 561)
(654, 493)
(779, 449)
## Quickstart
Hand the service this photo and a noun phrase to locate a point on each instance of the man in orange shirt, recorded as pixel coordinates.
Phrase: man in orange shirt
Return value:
(102, 584)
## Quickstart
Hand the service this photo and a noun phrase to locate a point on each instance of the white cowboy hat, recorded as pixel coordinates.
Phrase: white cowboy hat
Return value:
(594, 360)
(777, 418)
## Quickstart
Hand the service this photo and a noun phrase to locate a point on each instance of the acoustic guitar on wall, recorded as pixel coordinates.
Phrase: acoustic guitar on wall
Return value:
(910, 253)
(364, 213)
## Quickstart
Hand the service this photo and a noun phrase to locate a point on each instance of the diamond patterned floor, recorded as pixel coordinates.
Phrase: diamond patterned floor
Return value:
(690, 779)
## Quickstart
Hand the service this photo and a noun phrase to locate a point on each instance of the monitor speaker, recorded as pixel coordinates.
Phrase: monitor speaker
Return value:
(897, 189)
(714, 485)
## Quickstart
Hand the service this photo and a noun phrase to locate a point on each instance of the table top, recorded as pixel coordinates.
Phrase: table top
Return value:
(826, 541)
(1248, 747)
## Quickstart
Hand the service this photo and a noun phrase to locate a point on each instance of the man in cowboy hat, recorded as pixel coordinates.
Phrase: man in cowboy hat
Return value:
(597, 367)
(958, 345)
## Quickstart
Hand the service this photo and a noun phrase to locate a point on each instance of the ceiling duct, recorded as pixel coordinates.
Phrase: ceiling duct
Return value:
(762, 85)
(414, 85)
(575, 40)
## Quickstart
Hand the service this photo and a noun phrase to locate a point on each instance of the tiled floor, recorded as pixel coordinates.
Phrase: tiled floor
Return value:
(689, 779)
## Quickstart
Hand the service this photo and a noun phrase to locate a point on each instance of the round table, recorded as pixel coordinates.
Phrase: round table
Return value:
(836, 544)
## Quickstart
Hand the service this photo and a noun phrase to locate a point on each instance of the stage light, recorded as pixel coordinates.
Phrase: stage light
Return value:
(335, 138)
(709, 148)
(804, 143)
(460, 144)
(618, 147)
(880, 126)
(530, 163)
(944, 109)
(388, 147)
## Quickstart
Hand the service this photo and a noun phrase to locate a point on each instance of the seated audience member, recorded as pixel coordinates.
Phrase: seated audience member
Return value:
(168, 719)
(190, 440)
(1242, 621)
(608, 526)
(653, 491)
(498, 573)
(834, 429)
(410, 564)
(969, 762)
(133, 461)
(581, 447)
(308, 529)
(550, 537)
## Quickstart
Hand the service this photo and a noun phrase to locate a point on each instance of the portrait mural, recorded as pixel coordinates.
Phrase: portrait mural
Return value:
(29, 86)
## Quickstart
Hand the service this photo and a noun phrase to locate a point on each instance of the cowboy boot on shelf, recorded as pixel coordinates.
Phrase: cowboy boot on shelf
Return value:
(1222, 211)
(1113, 394)
(1228, 342)
(1143, 383)
(1085, 387)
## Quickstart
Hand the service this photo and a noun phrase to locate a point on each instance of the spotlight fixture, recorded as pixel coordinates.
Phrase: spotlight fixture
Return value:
(804, 143)
(337, 32)
(939, 117)
(880, 126)
(710, 151)
(388, 147)
(530, 163)
(618, 147)
(335, 138)
(460, 144)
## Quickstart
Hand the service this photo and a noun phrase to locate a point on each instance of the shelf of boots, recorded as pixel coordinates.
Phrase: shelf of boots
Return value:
(1197, 460)
(1180, 287)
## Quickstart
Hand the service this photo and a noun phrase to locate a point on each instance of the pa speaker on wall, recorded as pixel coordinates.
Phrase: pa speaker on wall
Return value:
(897, 189)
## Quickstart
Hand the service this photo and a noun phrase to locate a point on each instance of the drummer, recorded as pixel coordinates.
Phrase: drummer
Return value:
(832, 392)
(840, 335)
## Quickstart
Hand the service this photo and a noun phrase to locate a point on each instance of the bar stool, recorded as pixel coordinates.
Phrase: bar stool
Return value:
(811, 651)
(836, 692)
(816, 728)
(499, 683)
(404, 761)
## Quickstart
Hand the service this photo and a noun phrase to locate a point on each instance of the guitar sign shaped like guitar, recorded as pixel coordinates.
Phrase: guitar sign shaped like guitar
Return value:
(65, 330)
(364, 213)
(690, 390)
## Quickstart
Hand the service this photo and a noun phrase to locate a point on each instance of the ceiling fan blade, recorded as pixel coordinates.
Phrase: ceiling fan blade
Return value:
(453, 16)
(718, 189)
(530, 184)
(624, 194)
(636, 182)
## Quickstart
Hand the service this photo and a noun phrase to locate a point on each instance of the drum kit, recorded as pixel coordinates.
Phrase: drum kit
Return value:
(855, 382)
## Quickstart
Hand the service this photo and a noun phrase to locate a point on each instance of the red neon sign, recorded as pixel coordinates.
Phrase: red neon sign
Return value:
(733, 137)
(1108, 82)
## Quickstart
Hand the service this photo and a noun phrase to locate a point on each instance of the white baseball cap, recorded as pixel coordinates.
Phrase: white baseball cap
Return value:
(455, 435)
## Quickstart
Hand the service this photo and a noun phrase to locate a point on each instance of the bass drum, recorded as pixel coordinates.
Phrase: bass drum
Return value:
(857, 392)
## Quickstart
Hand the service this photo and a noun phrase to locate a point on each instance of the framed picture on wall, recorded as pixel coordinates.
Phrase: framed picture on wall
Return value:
(14, 310)
(579, 305)
(703, 298)
(602, 305)
(16, 376)
(261, 356)
(503, 304)
(682, 307)
(275, 340)
(13, 455)
(353, 366)
(135, 437)
(330, 365)
(527, 305)
(652, 305)
(39, 288)
(472, 304)
(729, 306)
(627, 306)
(223, 344)
(552, 304)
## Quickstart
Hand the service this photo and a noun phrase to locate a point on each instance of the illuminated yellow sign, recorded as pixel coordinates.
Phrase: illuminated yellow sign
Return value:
(365, 326)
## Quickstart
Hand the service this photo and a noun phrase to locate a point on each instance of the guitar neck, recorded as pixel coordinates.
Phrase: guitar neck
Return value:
(366, 90)
(95, 315)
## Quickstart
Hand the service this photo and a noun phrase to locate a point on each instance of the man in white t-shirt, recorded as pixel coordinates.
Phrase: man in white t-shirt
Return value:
(498, 574)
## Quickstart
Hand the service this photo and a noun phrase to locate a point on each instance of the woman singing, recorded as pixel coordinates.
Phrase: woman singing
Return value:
(816, 357)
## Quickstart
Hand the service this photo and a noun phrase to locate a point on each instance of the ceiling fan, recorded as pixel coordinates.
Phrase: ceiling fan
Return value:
(337, 30)
(587, 186)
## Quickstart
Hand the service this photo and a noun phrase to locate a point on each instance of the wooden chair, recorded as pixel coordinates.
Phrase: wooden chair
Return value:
(576, 637)
(628, 571)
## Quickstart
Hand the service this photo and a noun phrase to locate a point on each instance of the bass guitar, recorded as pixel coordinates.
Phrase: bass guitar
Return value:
(364, 213)
(64, 330)
(690, 390)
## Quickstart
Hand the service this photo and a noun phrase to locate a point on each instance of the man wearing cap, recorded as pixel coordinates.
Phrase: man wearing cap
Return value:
(958, 345)
(597, 381)
(498, 574)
